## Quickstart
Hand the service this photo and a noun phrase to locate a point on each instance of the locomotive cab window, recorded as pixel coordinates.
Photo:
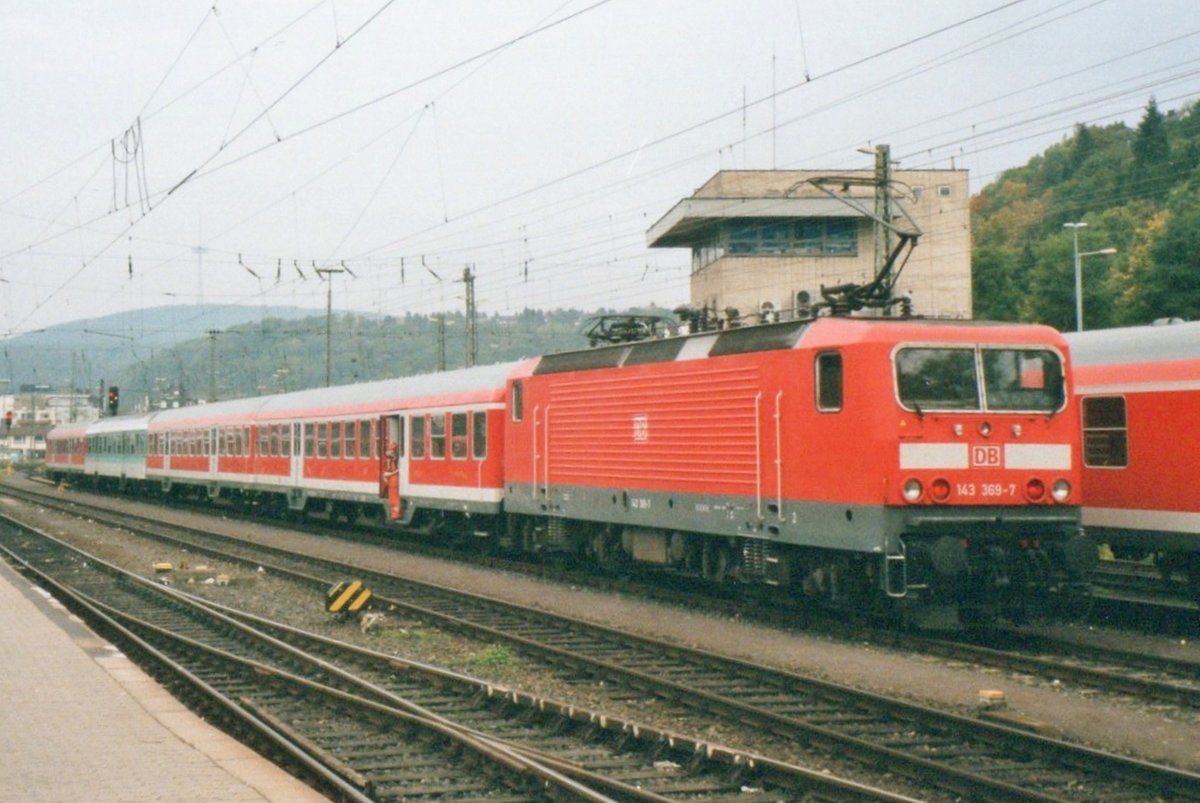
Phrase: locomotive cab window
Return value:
(1105, 433)
(937, 379)
(829, 381)
(1022, 379)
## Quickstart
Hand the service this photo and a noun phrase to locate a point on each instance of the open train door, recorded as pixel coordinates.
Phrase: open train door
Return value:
(393, 468)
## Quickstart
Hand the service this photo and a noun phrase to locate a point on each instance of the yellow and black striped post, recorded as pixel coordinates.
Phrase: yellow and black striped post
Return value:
(347, 597)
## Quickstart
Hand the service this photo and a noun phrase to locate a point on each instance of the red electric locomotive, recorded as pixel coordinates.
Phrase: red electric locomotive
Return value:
(1139, 391)
(864, 460)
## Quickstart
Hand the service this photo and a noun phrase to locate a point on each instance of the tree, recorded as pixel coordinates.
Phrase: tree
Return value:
(1150, 145)
(1170, 286)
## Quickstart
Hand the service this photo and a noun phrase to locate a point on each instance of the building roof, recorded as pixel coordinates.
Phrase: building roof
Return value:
(691, 220)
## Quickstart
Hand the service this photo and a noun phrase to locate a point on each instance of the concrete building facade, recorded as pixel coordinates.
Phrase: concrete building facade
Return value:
(763, 236)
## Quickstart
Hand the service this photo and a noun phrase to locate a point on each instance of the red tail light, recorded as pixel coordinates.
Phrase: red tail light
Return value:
(939, 489)
(1035, 489)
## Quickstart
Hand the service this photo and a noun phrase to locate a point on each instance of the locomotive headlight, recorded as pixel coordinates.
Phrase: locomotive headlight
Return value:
(985, 429)
(1035, 489)
(912, 490)
(1061, 490)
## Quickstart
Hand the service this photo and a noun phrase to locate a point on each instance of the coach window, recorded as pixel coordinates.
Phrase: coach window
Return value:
(364, 443)
(1105, 436)
(829, 382)
(351, 439)
(309, 440)
(322, 440)
(479, 435)
(437, 436)
(285, 440)
(418, 436)
(458, 436)
(518, 401)
(335, 439)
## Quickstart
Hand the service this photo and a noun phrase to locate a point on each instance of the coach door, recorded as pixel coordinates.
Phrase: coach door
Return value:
(393, 471)
(213, 450)
(296, 464)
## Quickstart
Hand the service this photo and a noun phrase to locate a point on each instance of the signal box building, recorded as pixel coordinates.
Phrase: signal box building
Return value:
(762, 237)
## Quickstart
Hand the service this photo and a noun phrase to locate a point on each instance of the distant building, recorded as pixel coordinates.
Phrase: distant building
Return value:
(38, 404)
(761, 237)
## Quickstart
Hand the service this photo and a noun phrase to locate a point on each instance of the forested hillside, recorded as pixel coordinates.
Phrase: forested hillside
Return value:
(1138, 191)
(277, 355)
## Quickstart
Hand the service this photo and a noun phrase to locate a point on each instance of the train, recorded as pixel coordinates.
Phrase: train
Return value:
(891, 465)
(1139, 394)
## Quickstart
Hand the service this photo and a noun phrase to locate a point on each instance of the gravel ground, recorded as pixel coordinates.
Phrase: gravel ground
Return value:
(1114, 724)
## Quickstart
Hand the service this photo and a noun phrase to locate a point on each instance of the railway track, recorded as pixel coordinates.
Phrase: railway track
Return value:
(378, 728)
(1145, 676)
(958, 755)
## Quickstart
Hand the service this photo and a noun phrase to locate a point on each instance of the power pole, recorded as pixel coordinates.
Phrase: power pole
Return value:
(472, 340)
(327, 272)
(883, 206)
(441, 341)
(212, 365)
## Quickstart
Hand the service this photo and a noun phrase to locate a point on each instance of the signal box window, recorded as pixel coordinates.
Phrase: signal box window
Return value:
(479, 435)
(458, 436)
(437, 436)
(1105, 437)
(829, 382)
(418, 436)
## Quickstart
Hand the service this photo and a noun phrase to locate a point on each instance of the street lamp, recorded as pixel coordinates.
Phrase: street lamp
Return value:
(1075, 227)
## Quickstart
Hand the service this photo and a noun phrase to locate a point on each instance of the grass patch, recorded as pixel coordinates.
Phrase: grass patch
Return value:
(495, 657)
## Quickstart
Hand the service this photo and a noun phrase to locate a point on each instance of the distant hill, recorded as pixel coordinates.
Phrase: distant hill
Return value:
(84, 352)
(1138, 191)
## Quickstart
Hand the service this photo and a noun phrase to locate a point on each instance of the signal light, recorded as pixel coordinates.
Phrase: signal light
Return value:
(8, 420)
(114, 400)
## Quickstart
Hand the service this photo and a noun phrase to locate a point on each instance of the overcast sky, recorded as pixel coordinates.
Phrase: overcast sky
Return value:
(165, 152)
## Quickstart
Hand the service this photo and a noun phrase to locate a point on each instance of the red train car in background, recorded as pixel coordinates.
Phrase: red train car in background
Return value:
(1139, 393)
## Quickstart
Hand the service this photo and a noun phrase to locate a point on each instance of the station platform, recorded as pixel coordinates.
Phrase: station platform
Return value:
(80, 721)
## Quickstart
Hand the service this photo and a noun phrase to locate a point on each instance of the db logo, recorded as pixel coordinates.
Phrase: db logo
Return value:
(641, 428)
(986, 456)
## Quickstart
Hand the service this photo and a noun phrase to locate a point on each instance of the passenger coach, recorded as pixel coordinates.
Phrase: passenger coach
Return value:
(1139, 390)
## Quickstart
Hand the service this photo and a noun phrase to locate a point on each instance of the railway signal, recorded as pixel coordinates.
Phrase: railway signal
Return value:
(114, 400)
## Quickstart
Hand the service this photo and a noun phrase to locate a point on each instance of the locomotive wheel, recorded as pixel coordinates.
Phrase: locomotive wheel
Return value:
(714, 563)
(1193, 577)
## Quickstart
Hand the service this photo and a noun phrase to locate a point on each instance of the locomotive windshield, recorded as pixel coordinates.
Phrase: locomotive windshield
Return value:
(948, 378)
